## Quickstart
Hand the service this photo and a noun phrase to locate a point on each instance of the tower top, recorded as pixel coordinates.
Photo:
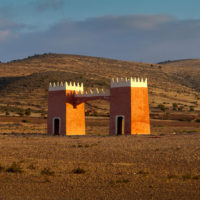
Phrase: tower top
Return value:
(128, 82)
(65, 86)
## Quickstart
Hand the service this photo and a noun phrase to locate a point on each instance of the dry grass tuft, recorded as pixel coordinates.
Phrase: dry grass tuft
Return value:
(122, 181)
(172, 176)
(79, 170)
(47, 172)
(1, 167)
(197, 177)
(31, 167)
(15, 168)
(144, 173)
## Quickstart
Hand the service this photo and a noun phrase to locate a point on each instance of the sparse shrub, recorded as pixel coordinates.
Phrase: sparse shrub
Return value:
(180, 108)
(107, 115)
(28, 111)
(86, 113)
(162, 107)
(191, 108)
(144, 173)
(112, 183)
(95, 144)
(15, 168)
(21, 113)
(42, 115)
(47, 171)
(178, 148)
(86, 145)
(195, 102)
(94, 114)
(197, 120)
(78, 171)
(7, 113)
(186, 176)
(122, 181)
(31, 166)
(171, 176)
(190, 131)
(1, 167)
(46, 180)
(167, 115)
(197, 177)
(25, 121)
(174, 106)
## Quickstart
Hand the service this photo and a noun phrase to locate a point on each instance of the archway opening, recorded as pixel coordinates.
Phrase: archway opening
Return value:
(56, 126)
(97, 117)
(120, 125)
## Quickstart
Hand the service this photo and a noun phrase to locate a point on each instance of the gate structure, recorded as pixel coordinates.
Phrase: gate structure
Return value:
(129, 107)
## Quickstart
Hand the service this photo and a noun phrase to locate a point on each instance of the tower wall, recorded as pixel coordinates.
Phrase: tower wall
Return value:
(60, 106)
(57, 109)
(75, 119)
(120, 105)
(129, 99)
(140, 122)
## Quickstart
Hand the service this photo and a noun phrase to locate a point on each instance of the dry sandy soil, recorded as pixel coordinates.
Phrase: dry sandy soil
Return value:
(94, 126)
(100, 167)
(164, 165)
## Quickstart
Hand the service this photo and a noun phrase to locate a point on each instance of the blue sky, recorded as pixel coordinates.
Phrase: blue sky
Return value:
(138, 30)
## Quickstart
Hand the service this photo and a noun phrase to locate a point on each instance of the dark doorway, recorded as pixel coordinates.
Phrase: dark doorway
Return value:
(120, 125)
(56, 126)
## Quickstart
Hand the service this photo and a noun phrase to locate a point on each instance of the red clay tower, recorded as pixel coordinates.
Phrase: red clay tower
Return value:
(129, 108)
(63, 117)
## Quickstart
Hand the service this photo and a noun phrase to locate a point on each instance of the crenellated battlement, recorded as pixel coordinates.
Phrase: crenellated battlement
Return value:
(93, 93)
(66, 86)
(128, 82)
(115, 82)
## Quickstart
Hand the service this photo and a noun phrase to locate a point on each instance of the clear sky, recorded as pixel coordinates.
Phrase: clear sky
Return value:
(139, 30)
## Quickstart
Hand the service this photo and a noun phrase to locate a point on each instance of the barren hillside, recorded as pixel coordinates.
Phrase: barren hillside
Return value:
(25, 82)
(187, 72)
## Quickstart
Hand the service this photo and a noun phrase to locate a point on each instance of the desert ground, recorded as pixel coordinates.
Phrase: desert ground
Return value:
(163, 165)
